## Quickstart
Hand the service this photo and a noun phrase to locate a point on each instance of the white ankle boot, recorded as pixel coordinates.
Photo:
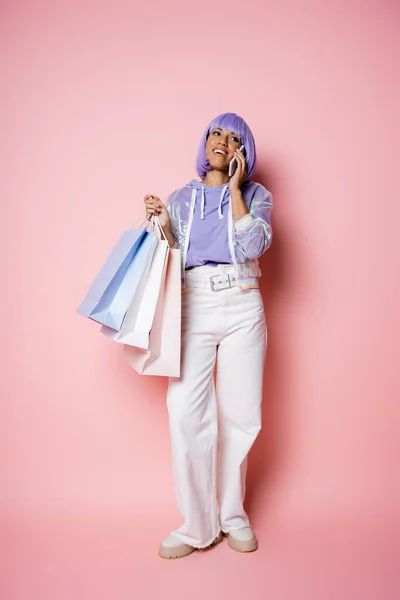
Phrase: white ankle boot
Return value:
(242, 540)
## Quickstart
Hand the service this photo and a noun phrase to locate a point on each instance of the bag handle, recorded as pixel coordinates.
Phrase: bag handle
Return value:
(154, 219)
(155, 222)
(161, 231)
(138, 219)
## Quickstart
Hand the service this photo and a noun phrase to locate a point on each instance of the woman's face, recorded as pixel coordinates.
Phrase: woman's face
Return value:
(220, 147)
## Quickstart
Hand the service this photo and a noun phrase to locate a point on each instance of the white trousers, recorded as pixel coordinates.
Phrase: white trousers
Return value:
(212, 427)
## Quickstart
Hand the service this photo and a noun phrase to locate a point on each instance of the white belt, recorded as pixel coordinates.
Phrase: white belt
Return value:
(217, 283)
(222, 282)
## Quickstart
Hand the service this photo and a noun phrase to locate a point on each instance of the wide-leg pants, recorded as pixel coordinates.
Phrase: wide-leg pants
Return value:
(212, 427)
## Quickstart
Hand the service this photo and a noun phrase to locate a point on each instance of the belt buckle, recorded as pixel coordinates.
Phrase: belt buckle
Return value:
(220, 282)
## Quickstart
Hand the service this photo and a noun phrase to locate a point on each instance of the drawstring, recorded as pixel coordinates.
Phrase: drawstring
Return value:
(203, 202)
(220, 215)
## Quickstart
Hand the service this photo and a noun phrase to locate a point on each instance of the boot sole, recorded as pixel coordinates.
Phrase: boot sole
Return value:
(172, 553)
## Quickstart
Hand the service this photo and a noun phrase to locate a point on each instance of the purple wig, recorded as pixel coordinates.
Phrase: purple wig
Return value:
(237, 125)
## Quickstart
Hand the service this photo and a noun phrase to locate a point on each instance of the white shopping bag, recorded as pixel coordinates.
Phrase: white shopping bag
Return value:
(163, 356)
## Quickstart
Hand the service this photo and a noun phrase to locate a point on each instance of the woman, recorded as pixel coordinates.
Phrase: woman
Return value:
(222, 226)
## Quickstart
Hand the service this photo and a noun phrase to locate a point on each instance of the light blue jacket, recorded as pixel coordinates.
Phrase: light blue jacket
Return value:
(249, 237)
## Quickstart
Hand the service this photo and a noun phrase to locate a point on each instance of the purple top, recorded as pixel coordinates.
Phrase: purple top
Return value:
(208, 244)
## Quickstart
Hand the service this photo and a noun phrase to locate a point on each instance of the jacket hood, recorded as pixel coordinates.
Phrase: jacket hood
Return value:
(200, 190)
(198, 185)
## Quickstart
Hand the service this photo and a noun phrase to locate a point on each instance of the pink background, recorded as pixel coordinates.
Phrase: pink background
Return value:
(104, 102)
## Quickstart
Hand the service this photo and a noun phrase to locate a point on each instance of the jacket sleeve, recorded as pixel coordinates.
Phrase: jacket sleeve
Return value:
(174, 215)
(253, 232)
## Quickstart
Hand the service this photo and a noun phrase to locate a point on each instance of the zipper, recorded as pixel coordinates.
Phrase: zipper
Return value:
(230, 239)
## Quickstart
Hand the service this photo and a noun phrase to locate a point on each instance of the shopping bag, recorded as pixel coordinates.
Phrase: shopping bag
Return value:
(132, 284)
(98, 302)
(139, 317)
(163, 356)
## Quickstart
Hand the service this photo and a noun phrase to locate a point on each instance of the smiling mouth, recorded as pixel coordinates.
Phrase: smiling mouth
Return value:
(219, 152)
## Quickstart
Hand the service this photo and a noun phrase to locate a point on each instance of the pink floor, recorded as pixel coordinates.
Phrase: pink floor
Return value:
(116, 558)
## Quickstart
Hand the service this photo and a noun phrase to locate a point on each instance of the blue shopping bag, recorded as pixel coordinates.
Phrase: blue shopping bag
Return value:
(111, 292)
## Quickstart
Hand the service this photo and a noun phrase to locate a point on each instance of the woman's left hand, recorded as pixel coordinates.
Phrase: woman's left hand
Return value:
(239, 175)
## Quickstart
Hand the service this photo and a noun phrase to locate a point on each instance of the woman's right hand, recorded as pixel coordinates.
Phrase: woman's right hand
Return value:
(154, 206)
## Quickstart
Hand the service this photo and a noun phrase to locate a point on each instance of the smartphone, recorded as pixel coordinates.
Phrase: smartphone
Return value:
(233, 163)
